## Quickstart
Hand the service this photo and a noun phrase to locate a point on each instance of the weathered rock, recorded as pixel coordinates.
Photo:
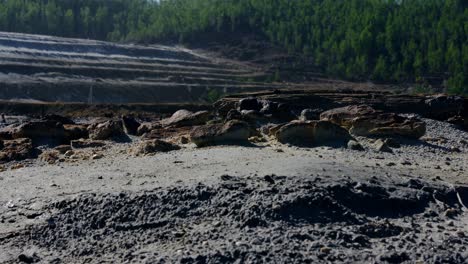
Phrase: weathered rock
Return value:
(50, 156)
(381, 146)
(17, 149)
(354, 145)
(316, 133)
(252, 116)
(130, 125)
(62, 149)
(234, 114)
(73, 132)
(108, 130)
(444, 106)
(363, 120)
(58, 119)
(82, 143)
(147, 127)
(154, 146)
(41, 131)
(250, 103)
(186, 118)
(231, 132)
(309, 114)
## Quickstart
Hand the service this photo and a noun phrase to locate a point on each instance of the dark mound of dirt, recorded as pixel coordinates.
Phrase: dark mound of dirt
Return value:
(251, 220)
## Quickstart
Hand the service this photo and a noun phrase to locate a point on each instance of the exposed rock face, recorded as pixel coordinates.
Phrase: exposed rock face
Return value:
(108, 130)
(156, 145)
(17, 149)
(363, 120)
(312, 133)
(186, 118)
(73, 132)
(231, 132)
(50, 131)
(130, 125)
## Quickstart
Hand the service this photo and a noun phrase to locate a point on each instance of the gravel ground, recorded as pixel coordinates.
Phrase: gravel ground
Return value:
(270, 203)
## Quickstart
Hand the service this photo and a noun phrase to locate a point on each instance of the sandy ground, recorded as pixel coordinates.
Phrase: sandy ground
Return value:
(30, 196)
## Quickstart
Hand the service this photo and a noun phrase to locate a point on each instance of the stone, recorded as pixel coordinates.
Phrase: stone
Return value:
(17, 149)
(252, 116)
(62, 149)
(97, 156)
(443, 106)
(309, 114)
(110, 129)
(50, 156)
(381, 146)
(58, 119)
(231, 132)
(234, 114)
(250, 103)
(363, 120)
(354, 145)
(312, 133)
(183, 118)
(147, 127)
(130, 125)
(82, 143)
(73, 132)
(48, 132)
(154, 146)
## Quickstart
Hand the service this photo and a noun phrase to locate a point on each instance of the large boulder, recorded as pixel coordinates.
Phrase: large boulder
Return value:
(231, 132)
(40, 132)
(312, 133)
(186, 118)
(154, 146)
(110, 129)
(444, 106)
(17, 149)
(363, 120)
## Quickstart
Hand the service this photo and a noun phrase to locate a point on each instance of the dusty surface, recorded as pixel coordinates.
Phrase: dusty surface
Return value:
(265, 203)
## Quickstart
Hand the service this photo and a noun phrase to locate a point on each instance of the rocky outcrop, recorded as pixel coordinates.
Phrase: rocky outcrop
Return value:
(108, 130)
(154, 146)
(73, 132)
(186, 118)
(231, 132)
(312, 133)
(444, 106)
(40, 132)
(363, 120)
(17, 149)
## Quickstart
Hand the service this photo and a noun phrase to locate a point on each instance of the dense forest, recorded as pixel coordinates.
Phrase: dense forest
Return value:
(413, 41)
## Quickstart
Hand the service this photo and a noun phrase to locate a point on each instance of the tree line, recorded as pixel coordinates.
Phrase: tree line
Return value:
(381, 40)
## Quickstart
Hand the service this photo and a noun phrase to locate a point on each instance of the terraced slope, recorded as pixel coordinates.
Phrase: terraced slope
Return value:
(44, 68)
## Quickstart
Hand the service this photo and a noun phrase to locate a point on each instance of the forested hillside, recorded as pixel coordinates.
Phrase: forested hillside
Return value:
(421, 41)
